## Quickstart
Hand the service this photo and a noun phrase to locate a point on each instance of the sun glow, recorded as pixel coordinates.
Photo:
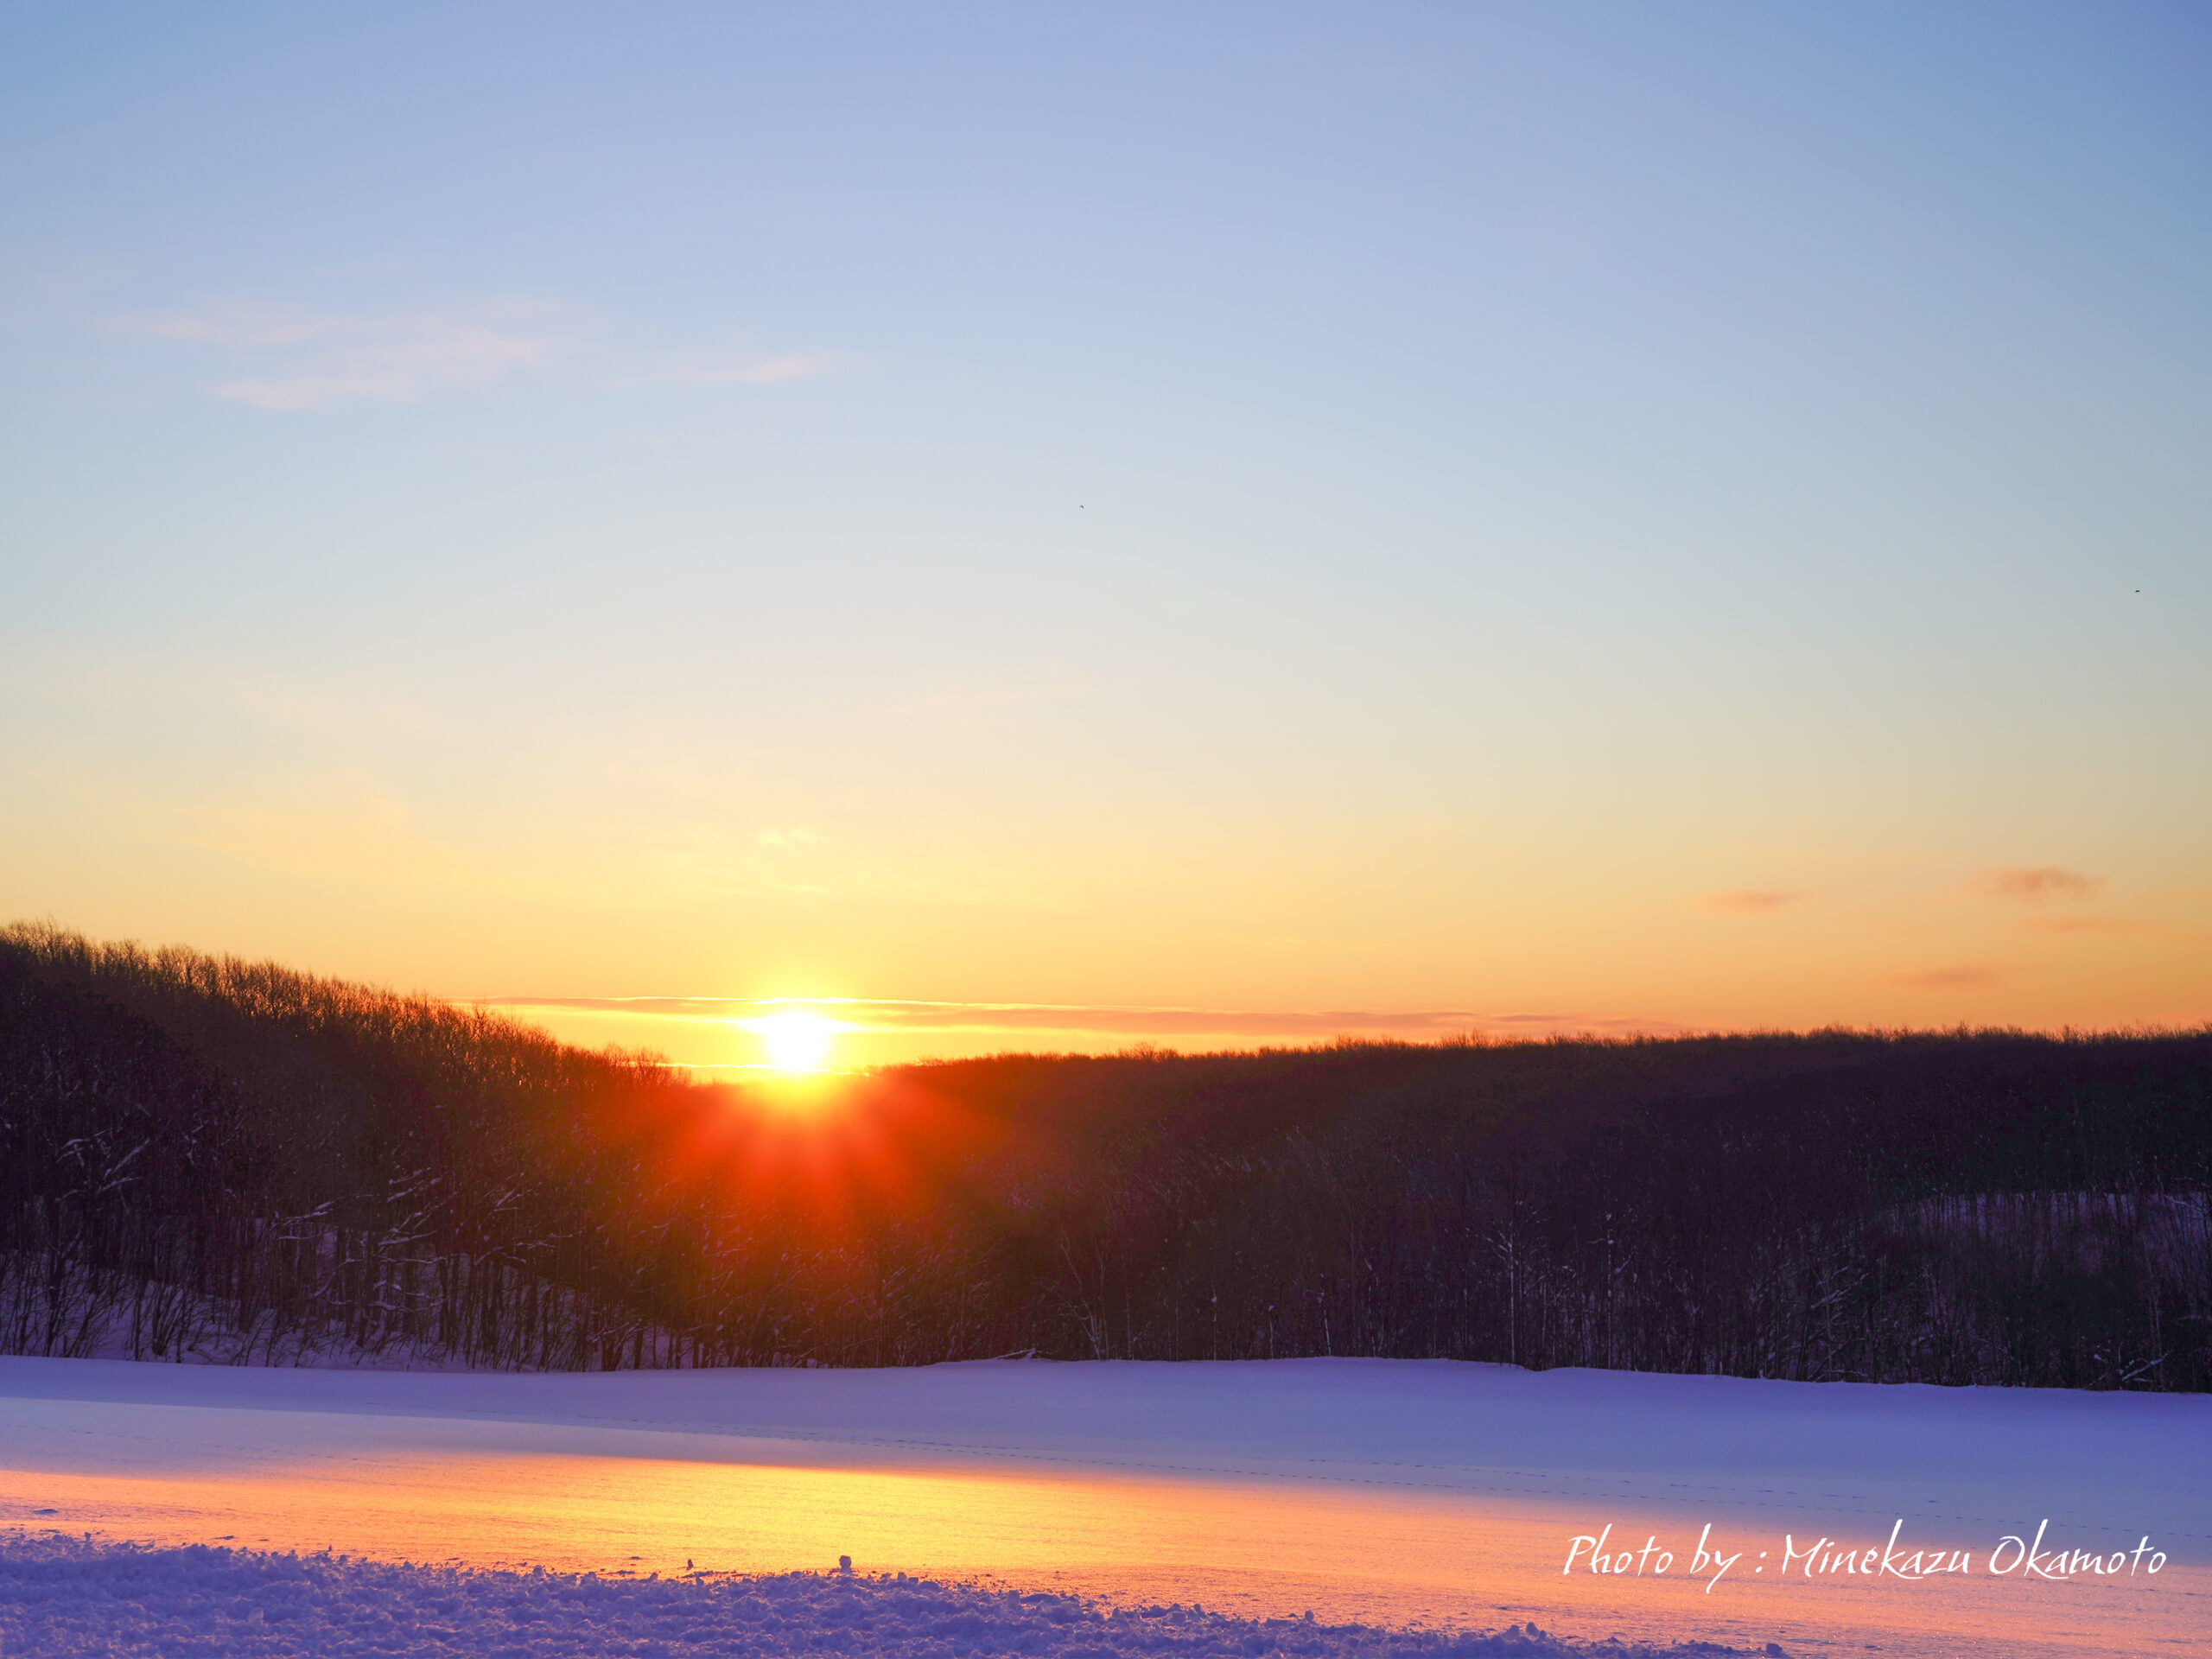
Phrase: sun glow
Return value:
(796, 1042)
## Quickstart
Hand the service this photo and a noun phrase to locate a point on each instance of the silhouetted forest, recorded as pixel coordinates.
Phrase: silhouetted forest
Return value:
(213, 1159)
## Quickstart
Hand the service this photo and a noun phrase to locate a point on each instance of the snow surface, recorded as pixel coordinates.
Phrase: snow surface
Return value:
(62, 1597)
(1373, 1492)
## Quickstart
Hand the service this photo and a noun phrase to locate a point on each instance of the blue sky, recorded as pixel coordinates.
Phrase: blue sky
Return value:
(1628, 513)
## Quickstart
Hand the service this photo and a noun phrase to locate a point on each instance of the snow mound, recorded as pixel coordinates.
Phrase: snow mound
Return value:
(62, 1597)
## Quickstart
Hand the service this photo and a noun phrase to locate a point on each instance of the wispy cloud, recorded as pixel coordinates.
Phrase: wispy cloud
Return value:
(1964, 977)
(2088, 924)
(277, 355)
(1018, 1019)
(2034, 886)
(1748, 903)
(284, 357)
(765, 372)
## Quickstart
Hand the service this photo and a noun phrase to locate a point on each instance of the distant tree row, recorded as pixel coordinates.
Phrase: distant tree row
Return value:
(213, 1159)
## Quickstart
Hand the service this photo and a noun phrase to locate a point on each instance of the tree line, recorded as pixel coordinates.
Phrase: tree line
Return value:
(212, 1159)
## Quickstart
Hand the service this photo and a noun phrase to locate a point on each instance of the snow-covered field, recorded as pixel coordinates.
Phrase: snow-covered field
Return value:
(59, 1596)
(1375, 1493)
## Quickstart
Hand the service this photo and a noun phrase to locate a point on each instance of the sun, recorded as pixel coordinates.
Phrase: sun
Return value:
(796, 1042)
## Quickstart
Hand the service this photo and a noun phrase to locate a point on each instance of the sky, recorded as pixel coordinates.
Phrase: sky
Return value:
(1057, 528)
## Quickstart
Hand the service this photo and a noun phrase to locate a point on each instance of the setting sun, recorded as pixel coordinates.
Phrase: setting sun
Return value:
(796, 1042)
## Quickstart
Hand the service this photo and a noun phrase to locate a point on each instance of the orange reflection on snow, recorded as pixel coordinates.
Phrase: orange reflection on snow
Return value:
(1254, 1548)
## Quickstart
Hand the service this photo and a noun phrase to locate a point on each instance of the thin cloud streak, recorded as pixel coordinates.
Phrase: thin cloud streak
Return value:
(309, 359)
(1012, 1017)
(1967, 976)
(768, 372)
(297, 358)
(2033, 887)
(1748, 903)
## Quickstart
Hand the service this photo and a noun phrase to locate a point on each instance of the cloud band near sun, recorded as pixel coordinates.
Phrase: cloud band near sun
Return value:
(1020, 1018)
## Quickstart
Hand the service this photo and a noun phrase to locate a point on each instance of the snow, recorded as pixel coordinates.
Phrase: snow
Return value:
(1375, 1493)
(61, 1596)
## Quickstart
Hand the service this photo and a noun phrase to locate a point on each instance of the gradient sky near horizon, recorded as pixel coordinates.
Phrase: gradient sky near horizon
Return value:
(1203, 524)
